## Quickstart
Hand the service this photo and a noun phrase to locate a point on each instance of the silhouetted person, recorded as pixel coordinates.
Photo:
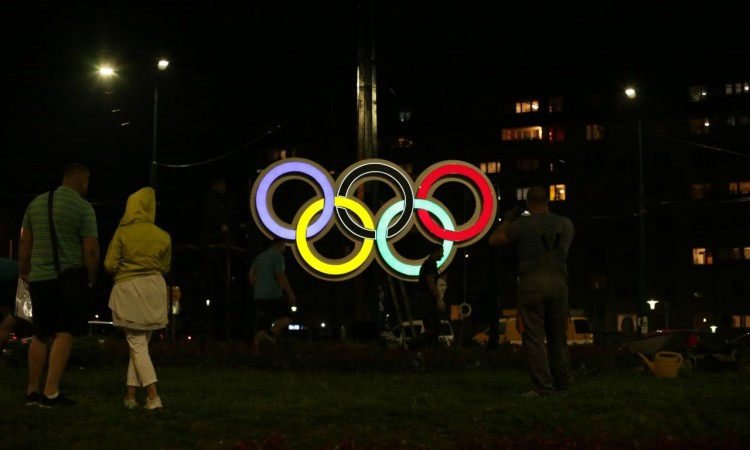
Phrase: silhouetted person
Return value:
(430, 300)
(139, 255)
(268, 278)
(543, 240)
(55, 322)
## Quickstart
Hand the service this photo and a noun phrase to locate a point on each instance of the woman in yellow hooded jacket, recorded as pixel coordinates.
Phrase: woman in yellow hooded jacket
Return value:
(139, 256)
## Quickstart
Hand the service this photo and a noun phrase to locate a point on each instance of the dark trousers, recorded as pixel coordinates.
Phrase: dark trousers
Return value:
(543, 305)
(431, 323)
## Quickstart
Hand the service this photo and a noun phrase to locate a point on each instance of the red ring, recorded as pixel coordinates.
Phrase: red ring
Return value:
(484, 189)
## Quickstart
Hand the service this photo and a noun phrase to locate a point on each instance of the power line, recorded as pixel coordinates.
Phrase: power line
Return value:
(264, 135)
(683, 141)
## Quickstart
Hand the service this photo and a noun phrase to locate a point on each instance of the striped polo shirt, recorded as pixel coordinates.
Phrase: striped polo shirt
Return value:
(74, 219)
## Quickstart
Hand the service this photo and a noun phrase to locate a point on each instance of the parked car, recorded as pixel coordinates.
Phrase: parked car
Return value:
(401, 332)
(733, 353)
(510, 330)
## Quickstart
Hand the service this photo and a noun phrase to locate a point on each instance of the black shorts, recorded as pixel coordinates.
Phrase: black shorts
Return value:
(48, 314)
(268, 310)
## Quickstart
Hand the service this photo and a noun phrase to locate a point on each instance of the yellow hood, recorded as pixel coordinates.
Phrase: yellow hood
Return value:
(141, 207)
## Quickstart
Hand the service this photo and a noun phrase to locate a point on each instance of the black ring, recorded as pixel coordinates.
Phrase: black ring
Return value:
(395, 175)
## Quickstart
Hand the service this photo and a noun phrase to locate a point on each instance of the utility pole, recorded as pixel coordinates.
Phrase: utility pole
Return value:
(367, 125)
(642, 285)
(367, 139)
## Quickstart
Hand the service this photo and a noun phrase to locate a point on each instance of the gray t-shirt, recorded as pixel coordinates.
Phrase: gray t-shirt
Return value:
(540, 235)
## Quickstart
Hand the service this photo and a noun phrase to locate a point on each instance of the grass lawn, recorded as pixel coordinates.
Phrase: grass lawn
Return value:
(351, 396)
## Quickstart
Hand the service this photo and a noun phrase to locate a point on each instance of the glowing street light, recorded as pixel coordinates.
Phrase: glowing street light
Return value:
(652, 304)
(106, 71)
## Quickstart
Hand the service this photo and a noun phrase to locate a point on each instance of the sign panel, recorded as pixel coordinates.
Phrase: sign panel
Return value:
(373, 235)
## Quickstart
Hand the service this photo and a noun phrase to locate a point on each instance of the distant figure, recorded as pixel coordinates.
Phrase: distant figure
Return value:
(8, 286)
(542, 239)
(139, 256)
(77, 244)
(216, 215)
(430, 300)
(268, 278)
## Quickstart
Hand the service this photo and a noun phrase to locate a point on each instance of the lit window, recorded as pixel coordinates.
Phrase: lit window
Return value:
(555, 104)
(557, 192)
(697, 93)
(556, 133)
(746, 253)
(594, 132)
(522, 134)
(490, 167)
(739, 187)
(699, 190)
(702, 256)
(527, 106)
(742, 87)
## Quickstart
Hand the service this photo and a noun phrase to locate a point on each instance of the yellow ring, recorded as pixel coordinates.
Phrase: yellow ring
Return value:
(322, 266)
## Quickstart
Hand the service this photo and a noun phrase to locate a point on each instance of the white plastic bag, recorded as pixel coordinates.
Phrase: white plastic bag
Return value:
(23, 301)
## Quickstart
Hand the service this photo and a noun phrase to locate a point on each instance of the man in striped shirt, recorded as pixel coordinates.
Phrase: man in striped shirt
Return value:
(77, 244)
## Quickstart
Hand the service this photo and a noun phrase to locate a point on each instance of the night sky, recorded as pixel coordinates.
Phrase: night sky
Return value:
(248, 76)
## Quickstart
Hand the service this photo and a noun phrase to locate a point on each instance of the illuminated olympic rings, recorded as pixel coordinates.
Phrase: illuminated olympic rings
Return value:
(367, 230)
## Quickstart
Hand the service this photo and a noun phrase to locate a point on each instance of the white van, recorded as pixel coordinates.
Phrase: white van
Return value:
(510, 330)
(404, 331)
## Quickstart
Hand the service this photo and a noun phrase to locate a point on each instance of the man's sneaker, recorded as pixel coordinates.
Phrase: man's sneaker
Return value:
(129, 403)
(152, 404)
(33, 398)
(60, 400)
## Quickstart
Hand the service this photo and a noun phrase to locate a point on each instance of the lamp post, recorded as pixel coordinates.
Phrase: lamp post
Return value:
(162, 66)
(106, 71)
(631, 93)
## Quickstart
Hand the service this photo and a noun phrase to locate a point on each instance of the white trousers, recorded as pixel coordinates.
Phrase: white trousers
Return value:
(140, 368)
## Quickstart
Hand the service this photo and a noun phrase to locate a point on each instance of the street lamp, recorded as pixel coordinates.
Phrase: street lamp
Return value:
(106, 71)
(632, 93)
(162, 66)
